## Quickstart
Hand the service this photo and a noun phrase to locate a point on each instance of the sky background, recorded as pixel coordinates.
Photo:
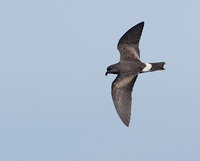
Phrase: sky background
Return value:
(55, 101)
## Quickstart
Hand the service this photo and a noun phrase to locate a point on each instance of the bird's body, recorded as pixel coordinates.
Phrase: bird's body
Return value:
(127, 70)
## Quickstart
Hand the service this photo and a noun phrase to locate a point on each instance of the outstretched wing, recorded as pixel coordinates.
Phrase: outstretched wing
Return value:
(121, 93)
(128, 45)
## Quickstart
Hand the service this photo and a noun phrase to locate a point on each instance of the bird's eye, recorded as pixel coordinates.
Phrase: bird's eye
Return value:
(109, 68)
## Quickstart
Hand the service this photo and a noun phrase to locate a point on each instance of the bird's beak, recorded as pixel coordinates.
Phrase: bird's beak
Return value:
(106, 73)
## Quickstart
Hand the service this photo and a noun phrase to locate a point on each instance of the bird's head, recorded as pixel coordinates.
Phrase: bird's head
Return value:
(112, 70)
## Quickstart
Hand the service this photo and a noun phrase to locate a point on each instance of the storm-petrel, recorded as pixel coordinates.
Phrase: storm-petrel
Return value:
(127, 71)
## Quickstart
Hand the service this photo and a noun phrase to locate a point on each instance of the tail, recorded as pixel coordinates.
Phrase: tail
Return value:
(153, 66)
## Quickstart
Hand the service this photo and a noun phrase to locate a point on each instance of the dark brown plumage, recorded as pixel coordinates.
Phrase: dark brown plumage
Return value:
(128, 69)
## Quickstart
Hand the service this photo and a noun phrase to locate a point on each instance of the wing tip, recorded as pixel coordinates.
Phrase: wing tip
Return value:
(125, 121)
(127, 125)
(142, 22)
(132, 36)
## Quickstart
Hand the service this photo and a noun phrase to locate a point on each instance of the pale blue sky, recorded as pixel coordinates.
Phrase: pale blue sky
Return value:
(55, 101)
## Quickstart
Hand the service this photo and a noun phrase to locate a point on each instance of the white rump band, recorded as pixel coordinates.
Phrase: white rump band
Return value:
(147, 68)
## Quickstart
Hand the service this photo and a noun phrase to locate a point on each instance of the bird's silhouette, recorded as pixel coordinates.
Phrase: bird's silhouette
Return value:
(127, 70)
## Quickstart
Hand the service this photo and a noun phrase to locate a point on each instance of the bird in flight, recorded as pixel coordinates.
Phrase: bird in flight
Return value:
(127, 70)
